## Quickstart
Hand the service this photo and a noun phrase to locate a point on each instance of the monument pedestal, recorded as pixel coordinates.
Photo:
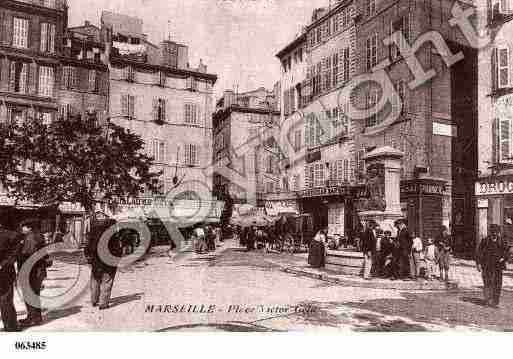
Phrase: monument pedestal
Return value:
(389, 159)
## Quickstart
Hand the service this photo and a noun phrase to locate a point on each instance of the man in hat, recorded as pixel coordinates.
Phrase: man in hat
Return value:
(10, 246)
(33, 242)
(405, 244)
(491, 258)
(369, 247)
(102, 274)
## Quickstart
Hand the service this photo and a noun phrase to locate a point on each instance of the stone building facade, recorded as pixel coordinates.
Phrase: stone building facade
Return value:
(494, 182)
(154, 93)
(436, 126)
(246, 166)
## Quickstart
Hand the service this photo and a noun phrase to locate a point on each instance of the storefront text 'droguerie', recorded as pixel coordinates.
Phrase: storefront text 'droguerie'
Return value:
(499, 186)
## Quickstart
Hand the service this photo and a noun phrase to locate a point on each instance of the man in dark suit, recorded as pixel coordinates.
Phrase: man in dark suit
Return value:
(102, 274)
(11, 244)
(492, 255)
(405, 243)
(368, 246)
(33, 242)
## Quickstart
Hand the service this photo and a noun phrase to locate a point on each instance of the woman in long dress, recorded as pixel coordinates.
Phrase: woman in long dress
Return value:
(317, 250)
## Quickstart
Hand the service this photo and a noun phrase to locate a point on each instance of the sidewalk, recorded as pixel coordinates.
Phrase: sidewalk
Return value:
(463, 275)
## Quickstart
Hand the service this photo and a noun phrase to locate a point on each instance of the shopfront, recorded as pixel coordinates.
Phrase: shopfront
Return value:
(422, 205)
(494, 205)
(332, 207)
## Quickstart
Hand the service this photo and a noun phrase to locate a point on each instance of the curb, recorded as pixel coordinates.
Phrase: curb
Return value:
(401, 285)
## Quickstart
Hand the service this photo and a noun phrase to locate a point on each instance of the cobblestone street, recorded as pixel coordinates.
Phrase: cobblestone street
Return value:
(249, 291)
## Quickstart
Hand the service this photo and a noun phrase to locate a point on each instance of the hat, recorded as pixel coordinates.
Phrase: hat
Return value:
(399, 221)
(30, 222)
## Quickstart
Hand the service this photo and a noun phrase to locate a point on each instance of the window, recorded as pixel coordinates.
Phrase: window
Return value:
(371, 48)
(334, 73)
(49, 3)
(347, 172)
(505, 132)
(400, 87)
(162, 78)
(159, 151)
(269, 164)
(371, 7)
(403, 24)
(128, 106)
(345, 65)
(129, 74)
(92, 81)
(192, 84)
(46, 118)
(65, 111)
(309, 176)
(191, 155)
(191, 114)
(69, 77)
(313, 131)
(372, 100)
(505, 7)
(19, 77)
(327, 73)
(46, 81)
(296, 183)
(297, 140)
(20, 33)
(47, 43)
(159, 110)
(502, 67)
(319, 175)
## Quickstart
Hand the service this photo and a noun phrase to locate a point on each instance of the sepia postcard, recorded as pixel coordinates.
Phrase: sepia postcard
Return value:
(255, 166)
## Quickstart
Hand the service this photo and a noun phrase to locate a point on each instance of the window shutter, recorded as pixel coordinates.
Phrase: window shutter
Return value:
(131, 106)
(154, 109)
(51, 39)
(162, 151)
(505, 138)
(495, 141)
(503, 69)
(32, 78)
(495, 69)
(44, 37)
(12, 76)
(164, 105)
(124, 105)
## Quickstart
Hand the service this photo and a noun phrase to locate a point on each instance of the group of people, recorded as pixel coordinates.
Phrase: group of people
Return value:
(275, 236)
(205, 238)
(16, 247)
(405, 256)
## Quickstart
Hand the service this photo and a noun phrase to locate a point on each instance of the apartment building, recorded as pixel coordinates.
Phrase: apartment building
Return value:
(155, 93)
(494, 182)
(31, 33)
(247, 165)
(436, 127)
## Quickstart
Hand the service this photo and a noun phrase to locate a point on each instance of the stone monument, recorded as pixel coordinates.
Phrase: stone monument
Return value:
(383, 167)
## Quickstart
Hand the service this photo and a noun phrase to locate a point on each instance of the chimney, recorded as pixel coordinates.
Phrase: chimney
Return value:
(169, 53)
(229, 98)
(183, 56)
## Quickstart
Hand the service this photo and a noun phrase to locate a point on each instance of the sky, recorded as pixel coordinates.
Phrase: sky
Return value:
(236, 39)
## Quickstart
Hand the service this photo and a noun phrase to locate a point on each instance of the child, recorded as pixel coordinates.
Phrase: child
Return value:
(430, 258)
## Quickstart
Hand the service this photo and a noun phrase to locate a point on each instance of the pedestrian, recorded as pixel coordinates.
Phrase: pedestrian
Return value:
(358, 236)
(250, 240)
(102, 274)
(33, 242)
(492, 255)
(368, 245)
(443, 243)
(405, 244)
(199, 236)
(210, 238)
(384, 254)
(416, 257)
(430, 255)
(317, 250)
(11, 243)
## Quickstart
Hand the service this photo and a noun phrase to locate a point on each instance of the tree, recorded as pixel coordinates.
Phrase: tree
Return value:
(74, 160)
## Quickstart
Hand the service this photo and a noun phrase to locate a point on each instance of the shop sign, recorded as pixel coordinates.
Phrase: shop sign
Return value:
(325, 191)
(497, 186)
(423, 188)
(273, 208)
(482, 203)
